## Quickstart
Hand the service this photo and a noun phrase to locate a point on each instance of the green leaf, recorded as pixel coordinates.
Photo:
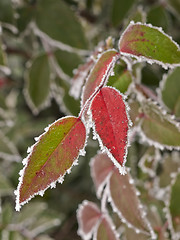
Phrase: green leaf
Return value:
(176, 5)
(25, 15)
(174, 203)
(120, 10)
(38, 83)
(58, 21)
(54, 153)
(170, 91)
(151, 44)
(67, 61)
(66, 102)
(158, 127)
(6, 13)
(157, 16)
(170, 164)
(121, 80)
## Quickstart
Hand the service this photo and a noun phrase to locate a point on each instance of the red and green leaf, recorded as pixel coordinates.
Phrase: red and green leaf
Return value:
(109, 115)
(51, 157)
(151, 44)
(99, 73)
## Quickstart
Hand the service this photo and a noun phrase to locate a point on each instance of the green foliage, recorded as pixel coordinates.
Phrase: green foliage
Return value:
(42, 42)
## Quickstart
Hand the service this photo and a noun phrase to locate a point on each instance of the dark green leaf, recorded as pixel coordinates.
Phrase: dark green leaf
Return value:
(170, 91)
(174, 203)
(58, 21)
(158, 16)
(38, 83)
(67, 61)
(120, 10)
(6, 11)
(158, 127)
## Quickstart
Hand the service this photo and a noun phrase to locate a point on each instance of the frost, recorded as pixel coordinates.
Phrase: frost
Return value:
(145, 59)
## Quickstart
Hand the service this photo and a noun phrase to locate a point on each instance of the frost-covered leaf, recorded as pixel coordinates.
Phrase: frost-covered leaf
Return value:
(149, 160)
(38, 83)
(151, 44)
(109, 115)
(99, 73)
(88, 216)
(158, 127)
(169, 166)
(124, 200)
(174, 204)
(58, 21)
(101, 167)
(50, 158)
(119, 10)
(134, 111)
(92, 222)
(170, 91)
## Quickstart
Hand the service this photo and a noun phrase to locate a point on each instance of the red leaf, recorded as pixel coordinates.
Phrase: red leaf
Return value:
(88, 215)
(101, 70)
(111, 124)
(50, 158)
(101, 167)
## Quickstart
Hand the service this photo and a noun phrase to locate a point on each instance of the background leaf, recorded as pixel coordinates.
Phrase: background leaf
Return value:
(38, 83)
(125, 201)
(150, 44)
(159, 128)
(101, 167)
(170, 91)
(58, 21)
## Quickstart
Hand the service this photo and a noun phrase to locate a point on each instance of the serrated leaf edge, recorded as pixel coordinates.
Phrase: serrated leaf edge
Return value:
(103, 148)
(145, 59)
(53, 184)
